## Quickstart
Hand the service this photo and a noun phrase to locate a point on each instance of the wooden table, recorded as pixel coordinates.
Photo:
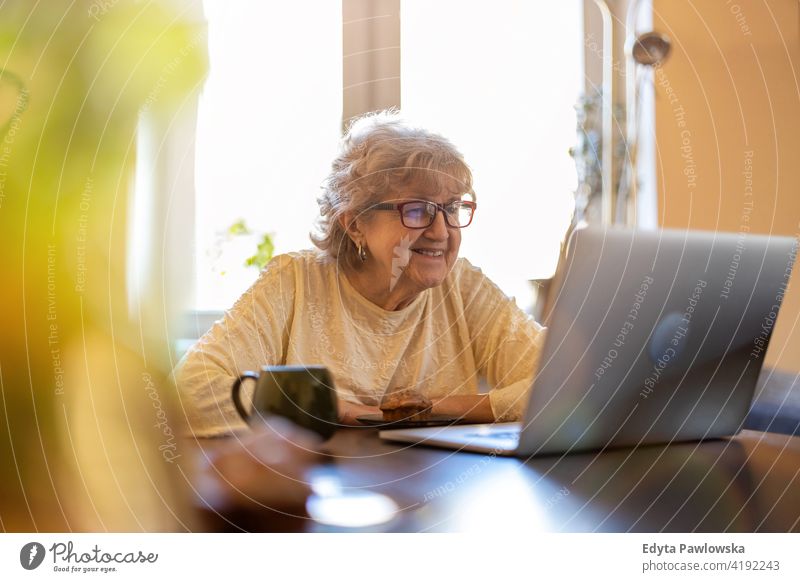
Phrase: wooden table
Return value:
(748, 483)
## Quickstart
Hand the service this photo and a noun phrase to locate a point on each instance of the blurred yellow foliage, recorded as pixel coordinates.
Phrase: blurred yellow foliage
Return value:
(80, 432)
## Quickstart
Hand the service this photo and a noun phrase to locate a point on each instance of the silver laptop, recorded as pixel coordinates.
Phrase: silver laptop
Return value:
(653, 337)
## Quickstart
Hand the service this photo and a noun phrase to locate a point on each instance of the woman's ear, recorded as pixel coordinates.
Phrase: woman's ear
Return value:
(352, 226)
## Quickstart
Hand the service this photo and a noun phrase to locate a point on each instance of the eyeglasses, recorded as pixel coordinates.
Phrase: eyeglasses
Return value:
(422, 213)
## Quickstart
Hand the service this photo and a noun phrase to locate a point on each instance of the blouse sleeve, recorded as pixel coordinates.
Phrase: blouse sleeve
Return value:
(253, 333)
(506, 343)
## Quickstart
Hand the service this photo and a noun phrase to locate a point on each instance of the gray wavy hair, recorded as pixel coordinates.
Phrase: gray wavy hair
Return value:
(379, 154)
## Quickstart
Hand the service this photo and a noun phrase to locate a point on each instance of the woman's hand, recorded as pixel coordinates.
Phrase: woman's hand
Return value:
(471, 408)
(348, 411)
(264, 469)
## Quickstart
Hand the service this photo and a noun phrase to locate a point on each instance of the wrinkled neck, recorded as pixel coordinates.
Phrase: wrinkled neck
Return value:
(377, 291)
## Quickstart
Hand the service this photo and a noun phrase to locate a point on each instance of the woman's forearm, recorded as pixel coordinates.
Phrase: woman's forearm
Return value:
(471, 407)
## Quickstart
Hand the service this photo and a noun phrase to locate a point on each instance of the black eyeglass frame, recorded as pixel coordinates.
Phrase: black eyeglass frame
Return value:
(439, 206)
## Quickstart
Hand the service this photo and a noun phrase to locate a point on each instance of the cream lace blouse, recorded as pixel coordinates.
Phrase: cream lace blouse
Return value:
(303, 310)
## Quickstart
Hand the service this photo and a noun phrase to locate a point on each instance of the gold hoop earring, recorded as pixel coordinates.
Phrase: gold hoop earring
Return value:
(362, 254)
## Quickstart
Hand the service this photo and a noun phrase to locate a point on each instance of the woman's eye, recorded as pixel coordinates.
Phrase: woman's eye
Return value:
(415, 212)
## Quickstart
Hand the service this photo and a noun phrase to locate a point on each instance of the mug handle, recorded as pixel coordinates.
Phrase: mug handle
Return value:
(236, 393)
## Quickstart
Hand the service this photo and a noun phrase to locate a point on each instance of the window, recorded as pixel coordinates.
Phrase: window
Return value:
(497, 78)
(501, 79)
(269, 121)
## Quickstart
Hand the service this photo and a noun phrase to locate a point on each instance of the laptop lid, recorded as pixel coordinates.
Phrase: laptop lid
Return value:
(654, 336)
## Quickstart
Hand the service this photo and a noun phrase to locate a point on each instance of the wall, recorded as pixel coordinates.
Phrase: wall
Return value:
(371, 56)
(727, 113)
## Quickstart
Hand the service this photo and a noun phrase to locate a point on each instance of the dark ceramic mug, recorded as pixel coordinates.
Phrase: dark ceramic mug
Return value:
(303, 394)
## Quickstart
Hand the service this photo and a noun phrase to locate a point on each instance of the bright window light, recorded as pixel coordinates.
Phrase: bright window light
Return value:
(269, 122)
(501, 79)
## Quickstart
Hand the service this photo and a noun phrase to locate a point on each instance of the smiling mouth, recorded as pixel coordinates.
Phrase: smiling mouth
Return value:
(428, 253)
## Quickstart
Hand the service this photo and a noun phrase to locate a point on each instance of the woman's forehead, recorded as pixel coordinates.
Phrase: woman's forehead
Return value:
(430, 186)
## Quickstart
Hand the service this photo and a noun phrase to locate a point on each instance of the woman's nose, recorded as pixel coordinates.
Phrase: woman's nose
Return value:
(438, 230)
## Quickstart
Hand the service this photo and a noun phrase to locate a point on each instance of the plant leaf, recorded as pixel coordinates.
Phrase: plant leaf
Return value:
(263, 253)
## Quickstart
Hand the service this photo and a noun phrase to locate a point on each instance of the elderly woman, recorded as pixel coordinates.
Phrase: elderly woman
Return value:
(384, 301)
